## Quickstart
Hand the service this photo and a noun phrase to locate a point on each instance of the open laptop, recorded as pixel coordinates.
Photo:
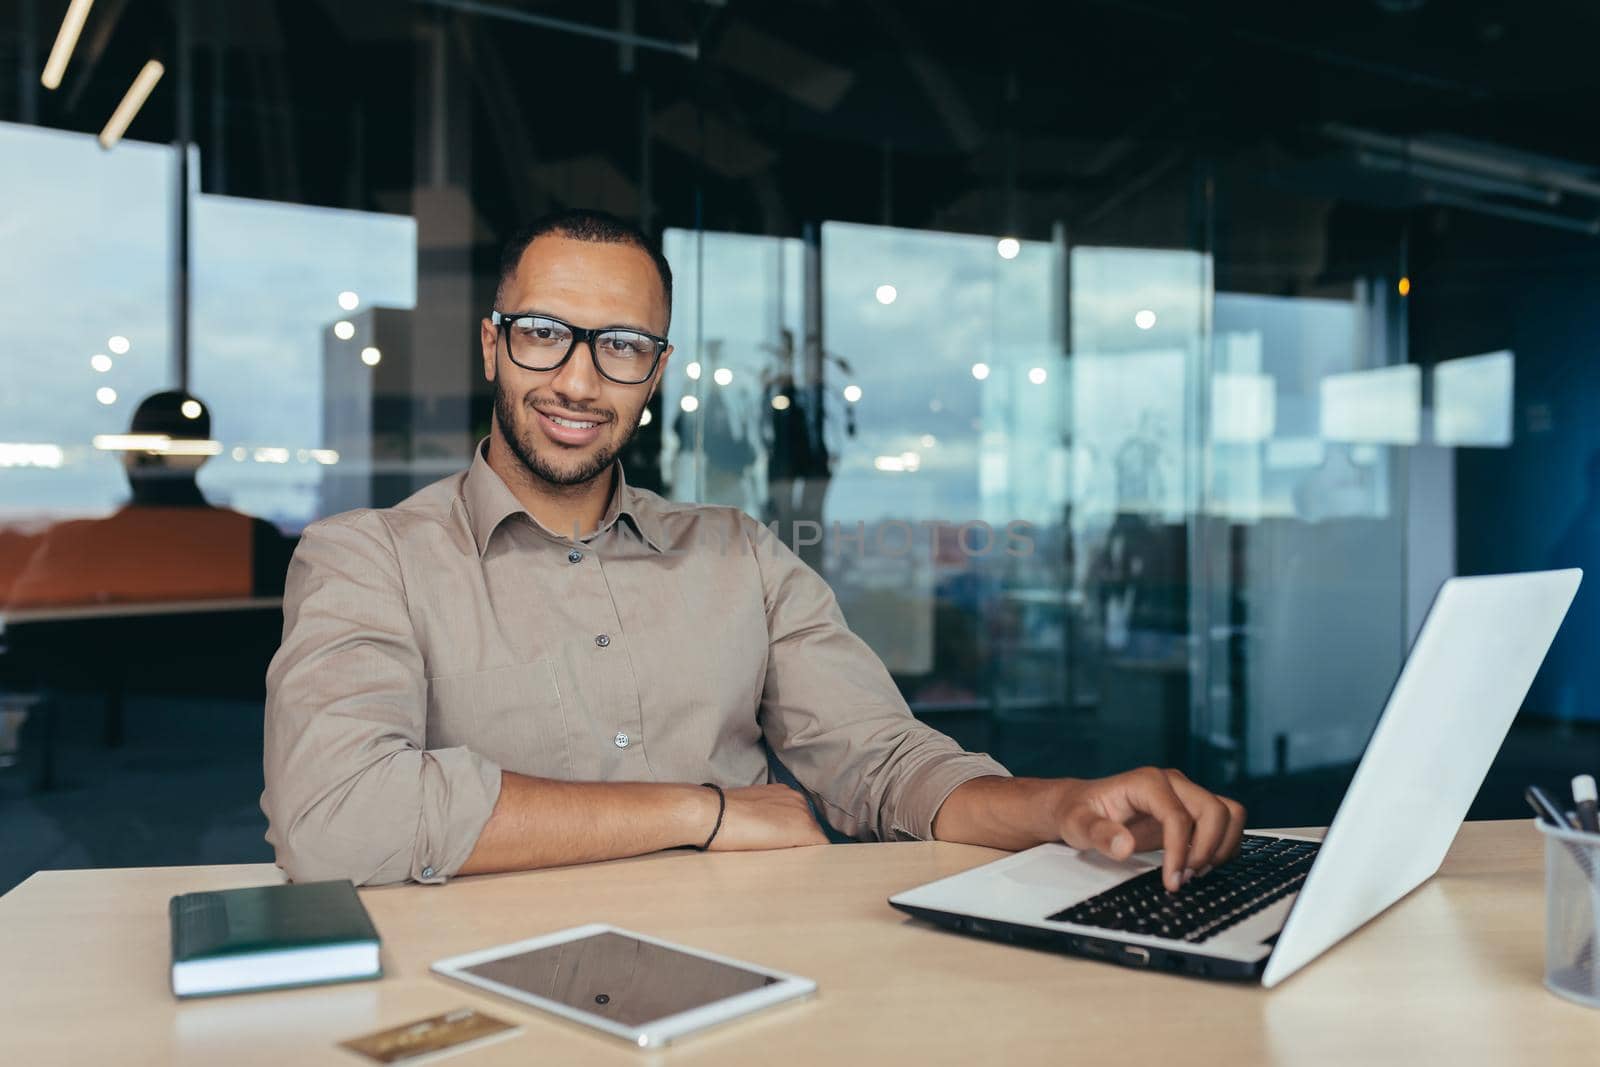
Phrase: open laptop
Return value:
(1285, 900)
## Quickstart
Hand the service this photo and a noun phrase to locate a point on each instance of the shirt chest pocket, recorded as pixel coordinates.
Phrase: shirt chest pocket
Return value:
(511, 715)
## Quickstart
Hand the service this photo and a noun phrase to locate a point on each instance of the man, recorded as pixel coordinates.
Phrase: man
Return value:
(168, 542)
(532, 663)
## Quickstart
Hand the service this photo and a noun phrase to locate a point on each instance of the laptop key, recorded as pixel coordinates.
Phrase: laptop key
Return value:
(1264, 872)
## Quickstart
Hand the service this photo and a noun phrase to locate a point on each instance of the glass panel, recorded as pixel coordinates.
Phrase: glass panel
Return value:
(86, 336)
(739, 341)
(271, 285)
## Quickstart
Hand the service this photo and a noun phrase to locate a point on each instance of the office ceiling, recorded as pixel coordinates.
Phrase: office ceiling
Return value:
(1004, 116)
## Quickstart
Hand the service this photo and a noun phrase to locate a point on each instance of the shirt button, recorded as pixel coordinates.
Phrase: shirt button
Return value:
(574, 556)
(427, 872)
(602, 640)
(622, 740)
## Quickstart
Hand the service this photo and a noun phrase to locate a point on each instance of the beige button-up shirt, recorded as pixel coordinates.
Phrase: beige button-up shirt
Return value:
(430, 645)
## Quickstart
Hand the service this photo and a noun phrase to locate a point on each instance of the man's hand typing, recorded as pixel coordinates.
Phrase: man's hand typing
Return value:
(1135, 811)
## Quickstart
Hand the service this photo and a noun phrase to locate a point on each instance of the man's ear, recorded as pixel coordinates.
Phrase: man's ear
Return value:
(489, 342)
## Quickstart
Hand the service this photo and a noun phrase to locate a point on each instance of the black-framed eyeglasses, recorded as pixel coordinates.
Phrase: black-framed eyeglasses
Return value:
(543, 342)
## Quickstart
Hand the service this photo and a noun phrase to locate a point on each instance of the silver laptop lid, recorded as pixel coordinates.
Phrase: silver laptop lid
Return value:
(1460, 688)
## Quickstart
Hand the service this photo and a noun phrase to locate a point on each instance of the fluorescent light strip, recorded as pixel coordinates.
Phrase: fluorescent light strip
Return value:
(158, 443)
(66, 40)
(130, 442)
(20, 454)
(190, 447)
(137, 93)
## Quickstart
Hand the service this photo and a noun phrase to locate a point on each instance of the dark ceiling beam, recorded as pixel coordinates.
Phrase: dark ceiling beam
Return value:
(687, 49)
(949, 102)
(1325, 56)
(1589, 226)
(1486, 161)
(500, 98)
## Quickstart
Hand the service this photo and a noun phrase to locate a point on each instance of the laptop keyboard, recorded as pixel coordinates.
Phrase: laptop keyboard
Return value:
(1266, 869)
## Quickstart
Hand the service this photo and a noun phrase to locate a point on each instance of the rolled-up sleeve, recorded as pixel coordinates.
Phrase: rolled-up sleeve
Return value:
(352, 791)
(835, 718)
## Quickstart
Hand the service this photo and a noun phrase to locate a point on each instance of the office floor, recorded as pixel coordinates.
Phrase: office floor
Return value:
(184, 787)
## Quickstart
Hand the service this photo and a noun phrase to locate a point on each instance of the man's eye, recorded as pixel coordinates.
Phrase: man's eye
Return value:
(627, 345)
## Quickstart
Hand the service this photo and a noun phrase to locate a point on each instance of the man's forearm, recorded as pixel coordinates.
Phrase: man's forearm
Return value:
(540, 822)
(1009, 813)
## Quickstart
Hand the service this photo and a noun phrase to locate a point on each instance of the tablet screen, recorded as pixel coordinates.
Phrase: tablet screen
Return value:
(621, 978)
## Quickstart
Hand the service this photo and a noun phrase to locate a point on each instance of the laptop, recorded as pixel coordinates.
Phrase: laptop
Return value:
(1285, 900)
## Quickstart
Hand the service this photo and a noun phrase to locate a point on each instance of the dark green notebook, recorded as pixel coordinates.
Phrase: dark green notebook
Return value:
(271, 937)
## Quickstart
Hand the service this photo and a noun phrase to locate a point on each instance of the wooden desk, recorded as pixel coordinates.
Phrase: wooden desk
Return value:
(1450, 975)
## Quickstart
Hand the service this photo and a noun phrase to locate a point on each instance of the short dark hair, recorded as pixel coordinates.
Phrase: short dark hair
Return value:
(162, 413)
(583, 224)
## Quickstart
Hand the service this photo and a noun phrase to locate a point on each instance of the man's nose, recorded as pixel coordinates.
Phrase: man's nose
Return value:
(578, 378)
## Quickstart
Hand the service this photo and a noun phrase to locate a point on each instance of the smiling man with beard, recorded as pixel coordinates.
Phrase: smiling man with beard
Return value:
(532, 663)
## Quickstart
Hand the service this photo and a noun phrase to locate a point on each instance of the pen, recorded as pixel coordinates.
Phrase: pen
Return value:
(1583, 798)
(1544, 807)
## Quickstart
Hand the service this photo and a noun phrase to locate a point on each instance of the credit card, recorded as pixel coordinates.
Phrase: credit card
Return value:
(439, 1035)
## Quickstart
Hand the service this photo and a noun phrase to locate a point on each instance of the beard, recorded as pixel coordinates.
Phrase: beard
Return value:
(519, 440)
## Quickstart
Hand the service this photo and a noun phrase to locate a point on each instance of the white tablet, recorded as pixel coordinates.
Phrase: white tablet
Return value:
(641, 989)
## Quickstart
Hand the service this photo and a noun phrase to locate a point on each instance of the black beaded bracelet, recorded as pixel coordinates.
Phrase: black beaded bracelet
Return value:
(722, 807)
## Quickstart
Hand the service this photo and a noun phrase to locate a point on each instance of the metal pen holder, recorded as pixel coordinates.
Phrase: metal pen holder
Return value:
(1572, 914)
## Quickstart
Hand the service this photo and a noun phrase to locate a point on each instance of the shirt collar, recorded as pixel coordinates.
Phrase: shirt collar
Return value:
(489, 502)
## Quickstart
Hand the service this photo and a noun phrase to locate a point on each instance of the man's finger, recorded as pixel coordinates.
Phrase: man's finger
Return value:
(1151, 792)
(1236, 817)
(1087, 829)
(1210, 822)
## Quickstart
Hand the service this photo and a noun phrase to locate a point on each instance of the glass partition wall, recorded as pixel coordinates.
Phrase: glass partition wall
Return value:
(1091, 511)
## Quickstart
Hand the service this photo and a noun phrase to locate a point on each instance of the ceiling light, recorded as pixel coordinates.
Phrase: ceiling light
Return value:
(132, 101)
(886, 294)
(66, 41)
(1008, 247)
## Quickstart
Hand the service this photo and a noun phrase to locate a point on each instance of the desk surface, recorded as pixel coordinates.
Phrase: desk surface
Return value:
(1449, 975)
